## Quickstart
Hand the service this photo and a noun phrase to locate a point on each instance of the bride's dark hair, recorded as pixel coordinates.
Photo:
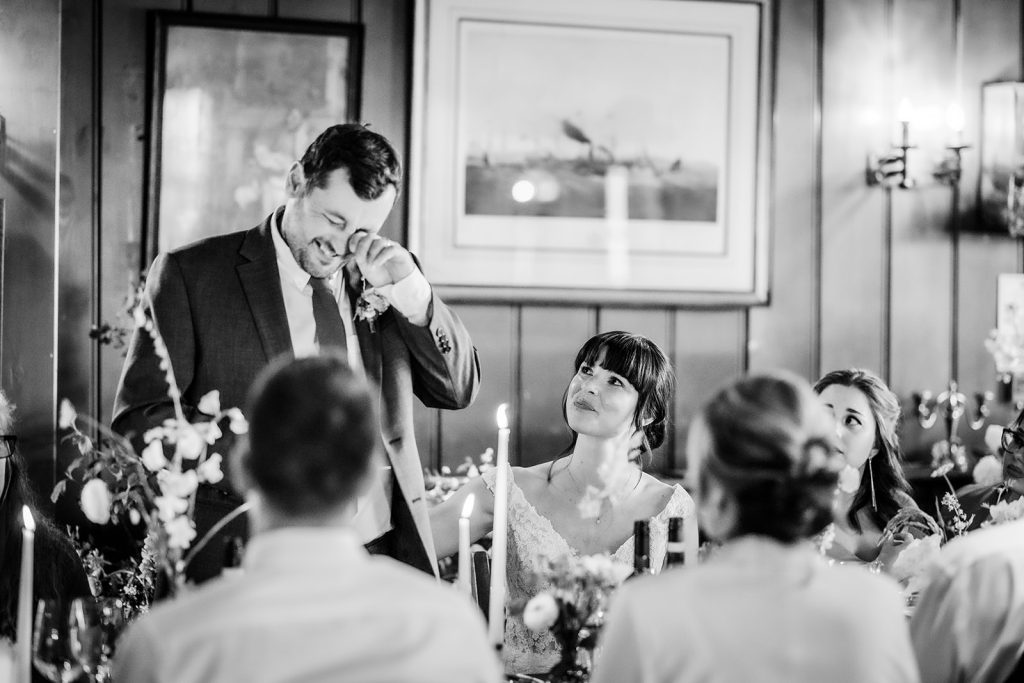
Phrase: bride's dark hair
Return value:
(768, 441)
(646, 367)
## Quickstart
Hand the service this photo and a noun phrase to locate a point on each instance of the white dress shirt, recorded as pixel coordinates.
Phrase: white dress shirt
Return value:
(311, 605)
(968, 624)
(410, 297)
(758, 610)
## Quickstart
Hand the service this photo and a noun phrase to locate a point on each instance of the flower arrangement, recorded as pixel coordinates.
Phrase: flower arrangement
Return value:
(921, 536)
(370, 305)
(155, 489)
(440, 485)
(572, 606)
(1006, 344)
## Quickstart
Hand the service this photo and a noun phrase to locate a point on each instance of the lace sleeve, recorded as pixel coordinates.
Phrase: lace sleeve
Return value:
(681, 504)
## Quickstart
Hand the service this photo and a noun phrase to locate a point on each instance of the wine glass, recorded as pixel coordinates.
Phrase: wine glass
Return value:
(94, 624)
(51, 652)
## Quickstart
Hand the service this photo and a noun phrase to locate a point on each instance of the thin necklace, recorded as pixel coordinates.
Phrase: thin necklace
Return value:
(580, 488)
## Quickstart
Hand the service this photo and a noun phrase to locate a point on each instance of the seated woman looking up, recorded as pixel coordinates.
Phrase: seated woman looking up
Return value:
(58, 571)
(765, 606)
(616, 407)
(866, 413)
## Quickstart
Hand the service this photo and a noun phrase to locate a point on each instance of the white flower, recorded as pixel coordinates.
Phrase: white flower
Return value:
(988, 471)
(993, 438)
(169, 507)
(915, 559)
(1005, 511)
(849, 480)
(210, 403)
(209, 471)
(95, 501)
(178, 484)
(209, 431)
(153, 456)
(541, 612)
(154, 434)
(139, 316)
(134, 517)
(190, 443)
(66, 418)
(237, 423)
(180, 532)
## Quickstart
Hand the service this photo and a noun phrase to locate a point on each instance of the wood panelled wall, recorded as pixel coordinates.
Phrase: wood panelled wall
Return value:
(860, 275)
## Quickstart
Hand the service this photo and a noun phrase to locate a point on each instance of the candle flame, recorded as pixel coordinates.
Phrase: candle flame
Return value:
(502, 416)
(467, 507)
(26, 516)
(905, 111)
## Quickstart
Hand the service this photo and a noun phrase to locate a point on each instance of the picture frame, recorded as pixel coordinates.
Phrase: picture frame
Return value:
(1002, 158)
(233, 102)
(593, 150)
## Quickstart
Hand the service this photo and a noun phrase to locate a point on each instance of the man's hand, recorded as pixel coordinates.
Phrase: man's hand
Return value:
(380, 261)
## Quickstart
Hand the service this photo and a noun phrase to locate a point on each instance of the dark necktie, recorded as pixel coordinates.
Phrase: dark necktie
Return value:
(330, 330)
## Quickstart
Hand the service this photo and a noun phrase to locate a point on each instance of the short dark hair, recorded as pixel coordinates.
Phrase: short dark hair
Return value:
(313, 434)
(646, 367)
(771, 444)
(369, 158)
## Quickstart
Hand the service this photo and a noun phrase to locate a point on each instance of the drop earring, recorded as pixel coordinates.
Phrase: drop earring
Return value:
(871, 479)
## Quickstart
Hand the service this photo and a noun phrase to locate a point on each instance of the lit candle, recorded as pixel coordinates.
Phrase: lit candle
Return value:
(955, 121)
(467, 510)
(690, 544)
(904, 114)
(499, 535)
(24, 629)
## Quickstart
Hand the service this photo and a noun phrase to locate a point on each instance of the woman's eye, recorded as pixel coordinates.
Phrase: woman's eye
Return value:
(586, 370)
(852, 421)
(615, 381)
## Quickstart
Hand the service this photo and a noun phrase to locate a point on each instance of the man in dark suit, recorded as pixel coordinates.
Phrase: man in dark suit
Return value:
(227, 305)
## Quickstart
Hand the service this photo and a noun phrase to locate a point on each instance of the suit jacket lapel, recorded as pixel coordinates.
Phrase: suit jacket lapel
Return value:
(261, 282)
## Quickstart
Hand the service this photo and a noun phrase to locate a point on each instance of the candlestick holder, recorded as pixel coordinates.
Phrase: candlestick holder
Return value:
(952, 405)
(949, 170)
(890, 170)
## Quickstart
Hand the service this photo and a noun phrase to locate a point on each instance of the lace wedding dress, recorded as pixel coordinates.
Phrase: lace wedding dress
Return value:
(530, 537)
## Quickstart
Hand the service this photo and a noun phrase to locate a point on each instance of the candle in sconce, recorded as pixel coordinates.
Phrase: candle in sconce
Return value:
(904, 113)
(499, 535)
(23, 660)
(465, 585)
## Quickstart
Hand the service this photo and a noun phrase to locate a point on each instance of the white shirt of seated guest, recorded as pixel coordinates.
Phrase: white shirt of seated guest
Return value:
(311, 605)
(410, 296)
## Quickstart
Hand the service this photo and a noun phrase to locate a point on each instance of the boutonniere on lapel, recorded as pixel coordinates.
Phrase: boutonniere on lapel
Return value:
(370, 305)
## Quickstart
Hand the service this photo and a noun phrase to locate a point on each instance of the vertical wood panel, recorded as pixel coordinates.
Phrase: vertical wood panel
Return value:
(76, 370)
(123, 104)
(793, 312)
(550, 338)
(387, 88)
(29, 101)
(495, 332)
(991, 52)
(922, 246)
(337, 10)
(709, 351)
(854, 116)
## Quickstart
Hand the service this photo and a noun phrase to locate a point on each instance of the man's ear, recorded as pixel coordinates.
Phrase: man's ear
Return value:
(295, 182)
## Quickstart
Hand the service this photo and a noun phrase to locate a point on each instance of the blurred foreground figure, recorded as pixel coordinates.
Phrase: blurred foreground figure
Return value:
(311, 604)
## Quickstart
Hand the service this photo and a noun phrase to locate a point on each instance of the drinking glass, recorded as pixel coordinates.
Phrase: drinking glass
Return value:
(94, 624)
(51, 651)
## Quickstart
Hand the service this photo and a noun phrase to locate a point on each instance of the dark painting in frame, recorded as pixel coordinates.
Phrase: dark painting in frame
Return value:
(233, 102)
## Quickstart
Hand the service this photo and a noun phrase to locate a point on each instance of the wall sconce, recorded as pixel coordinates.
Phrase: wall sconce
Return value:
(891, 169)
(949, 169)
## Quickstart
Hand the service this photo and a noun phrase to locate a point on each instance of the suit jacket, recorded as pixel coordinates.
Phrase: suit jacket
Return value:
(219, 308)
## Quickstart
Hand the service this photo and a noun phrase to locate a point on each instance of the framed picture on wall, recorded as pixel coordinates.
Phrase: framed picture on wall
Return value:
(234, 101)
(593, 150)
(1002, 158)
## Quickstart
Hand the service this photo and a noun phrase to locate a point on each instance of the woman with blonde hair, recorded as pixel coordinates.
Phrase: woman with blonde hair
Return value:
(766, 606)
